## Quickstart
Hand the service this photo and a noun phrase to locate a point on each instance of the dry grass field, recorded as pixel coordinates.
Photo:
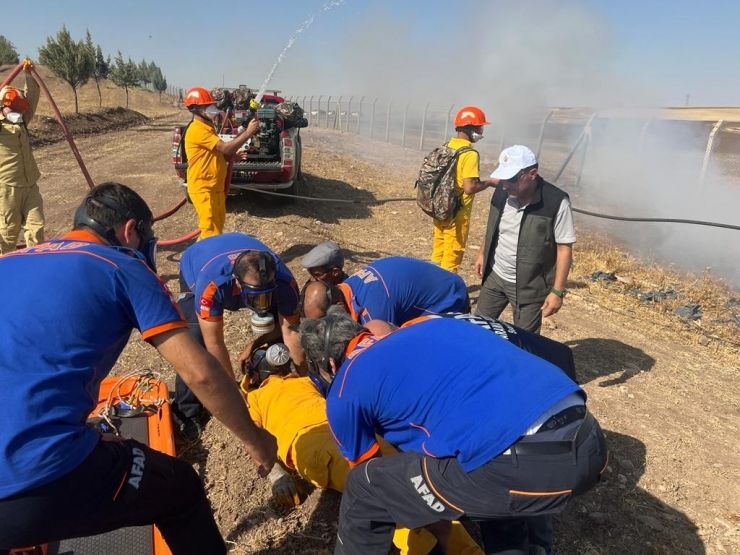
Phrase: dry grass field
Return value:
(665, 389)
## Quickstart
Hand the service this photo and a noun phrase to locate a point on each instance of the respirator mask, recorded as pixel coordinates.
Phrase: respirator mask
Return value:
(146, 250)
(257, 297)
(475, 137)
(14, 117)
(212, 112)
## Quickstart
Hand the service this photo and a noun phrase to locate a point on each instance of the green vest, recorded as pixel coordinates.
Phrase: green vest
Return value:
(536, 251)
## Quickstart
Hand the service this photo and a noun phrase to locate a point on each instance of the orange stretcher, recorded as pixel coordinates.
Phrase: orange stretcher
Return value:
(134, 406)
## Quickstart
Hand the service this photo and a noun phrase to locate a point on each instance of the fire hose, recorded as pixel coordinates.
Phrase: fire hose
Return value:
(68, 135)
(578, 210)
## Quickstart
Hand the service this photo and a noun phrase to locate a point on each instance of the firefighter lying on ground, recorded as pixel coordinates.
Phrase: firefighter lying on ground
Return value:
(294, 411)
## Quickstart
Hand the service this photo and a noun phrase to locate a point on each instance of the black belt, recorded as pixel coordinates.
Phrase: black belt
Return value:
(555, 447)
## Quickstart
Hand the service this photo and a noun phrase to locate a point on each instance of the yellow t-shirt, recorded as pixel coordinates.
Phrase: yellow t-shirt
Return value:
(206, 165)
(284, 406)
(468, 165)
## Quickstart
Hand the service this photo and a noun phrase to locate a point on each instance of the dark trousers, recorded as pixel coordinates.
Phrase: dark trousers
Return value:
(414, 490)
(187, 405)
(495, 294)
(120, 484)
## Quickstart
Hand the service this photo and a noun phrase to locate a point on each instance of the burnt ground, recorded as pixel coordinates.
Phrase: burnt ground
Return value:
(666, 396)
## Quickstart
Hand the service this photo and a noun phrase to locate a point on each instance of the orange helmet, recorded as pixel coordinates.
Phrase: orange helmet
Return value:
(198, 96)
(13, 99)
(470, 115)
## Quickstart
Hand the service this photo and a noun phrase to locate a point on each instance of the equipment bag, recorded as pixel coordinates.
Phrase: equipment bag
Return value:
(291, 113)
(435, 186)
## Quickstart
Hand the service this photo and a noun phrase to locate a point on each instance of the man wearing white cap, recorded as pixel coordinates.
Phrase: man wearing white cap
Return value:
(527, 253)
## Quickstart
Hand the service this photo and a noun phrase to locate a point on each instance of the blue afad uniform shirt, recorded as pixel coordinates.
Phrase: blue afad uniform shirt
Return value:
(70, 309)
(441, 387)
(208, 266)
(397, 289)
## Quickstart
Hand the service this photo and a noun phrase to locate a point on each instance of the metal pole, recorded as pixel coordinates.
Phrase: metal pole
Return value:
(542, 133)
(575, 147)
(328, 107)
(349, 113)
(372, 119)
(338, 116)
(359, 115)
(708, 153)
(423, 126)
(582, 163)
(318, 112)
(447, 121)
(643, 132)
(503, 139)
(403, 128)
(388, 121)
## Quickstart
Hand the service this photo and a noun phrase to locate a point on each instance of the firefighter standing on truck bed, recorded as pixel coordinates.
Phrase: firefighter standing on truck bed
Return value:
(208, 157)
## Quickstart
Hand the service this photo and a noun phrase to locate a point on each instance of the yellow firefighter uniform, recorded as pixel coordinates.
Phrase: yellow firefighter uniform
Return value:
(293, 410)
(206, 177)
(451, 236)
(20, 200)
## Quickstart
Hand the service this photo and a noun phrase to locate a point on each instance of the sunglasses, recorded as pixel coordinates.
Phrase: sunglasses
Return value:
(515, 179)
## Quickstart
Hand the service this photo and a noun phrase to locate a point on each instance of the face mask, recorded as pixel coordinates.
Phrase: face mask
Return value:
(475, 137)
(212, 112)
(14, 117)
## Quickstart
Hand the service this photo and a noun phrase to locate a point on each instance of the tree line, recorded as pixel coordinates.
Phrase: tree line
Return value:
(78, 62)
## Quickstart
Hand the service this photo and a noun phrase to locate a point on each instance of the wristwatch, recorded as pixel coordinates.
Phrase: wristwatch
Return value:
(558, 292)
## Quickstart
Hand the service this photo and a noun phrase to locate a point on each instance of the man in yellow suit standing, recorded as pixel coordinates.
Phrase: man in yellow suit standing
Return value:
(21, 204)
(294, 411)
(451, 235)
(208, 157)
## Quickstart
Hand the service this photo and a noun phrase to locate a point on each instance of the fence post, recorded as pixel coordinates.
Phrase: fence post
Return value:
(338, 116)
(586, 130)
(447, 122)
(403, 128)
(349, 113)
(708, 153)
(328, 107)
(423, 126)
(372, 118)
(359, 115)
(542, 133)
(318, 112)
(388, 121)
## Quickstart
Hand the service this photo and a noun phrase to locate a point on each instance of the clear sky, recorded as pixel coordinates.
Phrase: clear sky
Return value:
(567, 52)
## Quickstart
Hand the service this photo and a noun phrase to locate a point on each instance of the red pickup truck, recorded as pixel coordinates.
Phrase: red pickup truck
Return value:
(273, 154)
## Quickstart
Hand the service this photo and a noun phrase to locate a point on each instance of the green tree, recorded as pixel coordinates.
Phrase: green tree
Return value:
(8, 53)
(69, 60)
(101, 65)
(125, 74)
(158, 81)
(145, 76)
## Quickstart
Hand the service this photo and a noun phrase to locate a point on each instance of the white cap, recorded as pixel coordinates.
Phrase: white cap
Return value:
(277, 354)
(512, 160)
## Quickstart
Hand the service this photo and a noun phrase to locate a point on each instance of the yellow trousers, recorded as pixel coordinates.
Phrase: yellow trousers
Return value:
(211, 210)
(450, 238)
(20, 207)
(318, 460)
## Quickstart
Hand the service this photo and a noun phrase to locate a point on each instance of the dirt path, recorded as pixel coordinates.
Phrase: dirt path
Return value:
(671, 407)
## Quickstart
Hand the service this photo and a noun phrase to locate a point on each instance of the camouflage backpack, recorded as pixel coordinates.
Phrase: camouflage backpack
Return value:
(291, 113)
(435, 187)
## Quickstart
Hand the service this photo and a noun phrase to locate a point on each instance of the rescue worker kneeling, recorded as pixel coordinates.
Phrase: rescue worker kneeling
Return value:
(487, 431)
(294, 411)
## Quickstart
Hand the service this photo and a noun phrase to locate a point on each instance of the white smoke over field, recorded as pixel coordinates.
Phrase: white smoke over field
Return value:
(517, 60)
